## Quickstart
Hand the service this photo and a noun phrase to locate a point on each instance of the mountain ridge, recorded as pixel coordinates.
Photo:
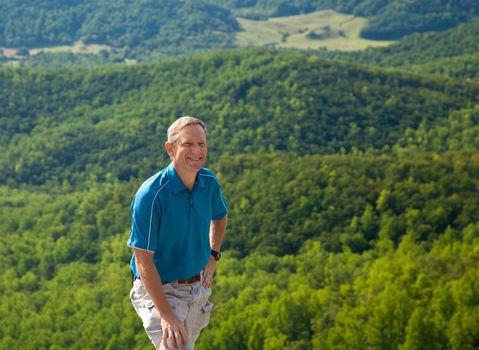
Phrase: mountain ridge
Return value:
(290, 101)
(151, 31)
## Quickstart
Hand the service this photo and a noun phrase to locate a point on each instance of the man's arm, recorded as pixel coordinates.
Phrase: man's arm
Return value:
(174, 331)
(217, 231)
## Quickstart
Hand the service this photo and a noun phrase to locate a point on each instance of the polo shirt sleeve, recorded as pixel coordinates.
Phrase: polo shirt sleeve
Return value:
(145, 221)
(220, 206)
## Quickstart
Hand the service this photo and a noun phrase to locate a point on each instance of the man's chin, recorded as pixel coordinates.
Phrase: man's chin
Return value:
(196, 166)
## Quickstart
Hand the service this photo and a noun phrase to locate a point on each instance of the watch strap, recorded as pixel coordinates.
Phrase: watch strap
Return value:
(216, 254)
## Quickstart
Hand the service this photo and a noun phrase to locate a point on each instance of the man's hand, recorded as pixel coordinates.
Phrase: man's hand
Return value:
(174, 334)
(208, 273)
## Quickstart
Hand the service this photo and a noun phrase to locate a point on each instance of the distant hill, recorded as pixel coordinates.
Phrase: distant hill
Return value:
(168, 25)
(67, 125)
(152, 30)
(389, 19)
(454, 53)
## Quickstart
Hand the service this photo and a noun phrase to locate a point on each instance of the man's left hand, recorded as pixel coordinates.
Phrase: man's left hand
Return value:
(208, 273)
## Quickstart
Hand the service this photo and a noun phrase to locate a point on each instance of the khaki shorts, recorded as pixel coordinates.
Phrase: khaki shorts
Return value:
(188, 301)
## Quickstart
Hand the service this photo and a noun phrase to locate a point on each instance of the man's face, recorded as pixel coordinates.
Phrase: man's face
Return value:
(189, 150)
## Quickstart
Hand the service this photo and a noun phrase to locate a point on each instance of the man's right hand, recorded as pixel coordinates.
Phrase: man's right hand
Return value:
(174, 333)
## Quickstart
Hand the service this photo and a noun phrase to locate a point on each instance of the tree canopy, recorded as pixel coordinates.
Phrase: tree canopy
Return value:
(151, 30)
(77, 125)
(352, 191)
(451, 53)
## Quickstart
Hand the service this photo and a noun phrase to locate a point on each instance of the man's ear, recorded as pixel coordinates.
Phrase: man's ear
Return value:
(169, 148)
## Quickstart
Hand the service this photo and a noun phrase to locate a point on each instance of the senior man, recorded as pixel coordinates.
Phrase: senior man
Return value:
(179, 218)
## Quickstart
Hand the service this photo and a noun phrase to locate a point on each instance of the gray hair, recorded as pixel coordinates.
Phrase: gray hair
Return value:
(180, 123)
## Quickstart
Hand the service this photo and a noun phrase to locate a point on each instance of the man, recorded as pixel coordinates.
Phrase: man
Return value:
(179, 217)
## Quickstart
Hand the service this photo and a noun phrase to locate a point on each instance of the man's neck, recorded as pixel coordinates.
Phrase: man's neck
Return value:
(188, 179)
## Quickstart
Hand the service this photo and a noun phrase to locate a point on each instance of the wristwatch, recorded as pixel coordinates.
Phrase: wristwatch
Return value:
(216, 255)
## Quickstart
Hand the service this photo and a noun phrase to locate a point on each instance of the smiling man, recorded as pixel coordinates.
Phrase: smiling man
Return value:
(179, 218)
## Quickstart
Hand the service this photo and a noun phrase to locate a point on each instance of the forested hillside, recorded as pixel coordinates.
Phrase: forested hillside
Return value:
(453, 53)
(168, 25)
(388, 258)
(353, 201)
(73, 126)
(149, 30)
(389, 19)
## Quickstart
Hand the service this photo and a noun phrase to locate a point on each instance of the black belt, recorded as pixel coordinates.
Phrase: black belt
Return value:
(191, 280)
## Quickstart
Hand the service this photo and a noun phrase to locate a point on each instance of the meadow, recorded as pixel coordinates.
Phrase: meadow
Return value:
(321, 29)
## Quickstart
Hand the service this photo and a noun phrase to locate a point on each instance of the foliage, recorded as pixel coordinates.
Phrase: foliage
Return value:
(458, 133)
(107, 123)
(404, 298)
(168, 25)
(68, 59)
(400, 18)
(403, 263)
(388, 19)
(151, 30)
(464, 67)
(346, 201)
(353, 201)
(451, 53)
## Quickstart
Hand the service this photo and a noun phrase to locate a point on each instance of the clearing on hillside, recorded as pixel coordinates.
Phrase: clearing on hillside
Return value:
(329, 29)
(77, 47)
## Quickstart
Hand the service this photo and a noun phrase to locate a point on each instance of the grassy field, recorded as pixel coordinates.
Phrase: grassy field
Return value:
(78, 47)
(328, 29)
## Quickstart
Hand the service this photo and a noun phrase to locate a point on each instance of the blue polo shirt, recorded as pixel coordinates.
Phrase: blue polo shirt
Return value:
(174, 222)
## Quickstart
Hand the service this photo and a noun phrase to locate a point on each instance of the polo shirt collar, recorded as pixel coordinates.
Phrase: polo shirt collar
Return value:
(176, 184)
(199, 180)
